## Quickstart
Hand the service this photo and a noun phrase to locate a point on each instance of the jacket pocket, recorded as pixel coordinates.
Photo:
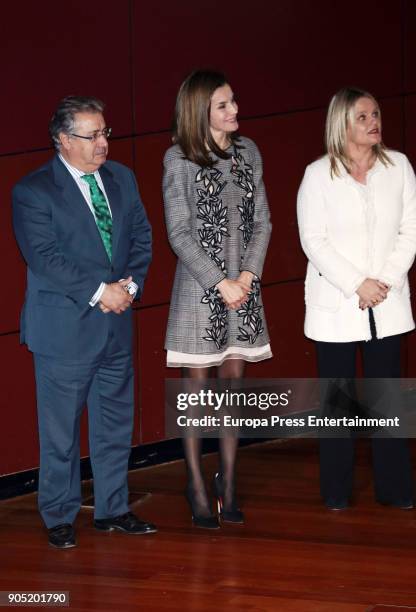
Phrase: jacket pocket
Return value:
(320, 293)
(57, 300)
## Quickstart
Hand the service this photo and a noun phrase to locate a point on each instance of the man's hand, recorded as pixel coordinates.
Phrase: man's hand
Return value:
(115, 298)
(371, 292)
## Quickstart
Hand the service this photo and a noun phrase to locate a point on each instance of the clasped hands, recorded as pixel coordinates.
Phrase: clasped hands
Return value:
(235, 292)
(371, 293)
(115, 297)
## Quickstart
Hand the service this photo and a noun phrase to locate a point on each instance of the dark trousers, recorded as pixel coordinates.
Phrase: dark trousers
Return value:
(392, 468)
(63, 387)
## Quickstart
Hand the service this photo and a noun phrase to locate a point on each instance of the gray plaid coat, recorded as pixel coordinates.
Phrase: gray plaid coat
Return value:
(218, 224)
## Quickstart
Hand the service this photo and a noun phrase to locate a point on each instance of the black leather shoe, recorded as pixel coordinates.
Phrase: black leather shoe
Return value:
(333, 504)
(62, 536)
(128, 523)
(406, 504)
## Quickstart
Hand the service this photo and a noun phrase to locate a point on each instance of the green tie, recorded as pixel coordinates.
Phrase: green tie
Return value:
(102, 213)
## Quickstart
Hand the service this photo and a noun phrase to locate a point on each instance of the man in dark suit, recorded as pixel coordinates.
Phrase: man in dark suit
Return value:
(83, 232)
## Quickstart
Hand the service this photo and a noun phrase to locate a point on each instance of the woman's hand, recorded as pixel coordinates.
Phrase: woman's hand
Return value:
(371, 292)
(232, 293)
(245, 279)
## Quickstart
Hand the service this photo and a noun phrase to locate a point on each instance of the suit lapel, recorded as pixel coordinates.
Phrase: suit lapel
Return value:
(113, 192)
(73, 197)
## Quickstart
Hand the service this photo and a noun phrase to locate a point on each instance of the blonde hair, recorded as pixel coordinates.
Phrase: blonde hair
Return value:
(339, 116)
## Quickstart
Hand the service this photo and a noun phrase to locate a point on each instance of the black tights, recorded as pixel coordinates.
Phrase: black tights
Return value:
(231, 369)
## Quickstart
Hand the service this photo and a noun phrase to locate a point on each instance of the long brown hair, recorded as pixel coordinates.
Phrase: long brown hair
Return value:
(191, 128)
(337, 120)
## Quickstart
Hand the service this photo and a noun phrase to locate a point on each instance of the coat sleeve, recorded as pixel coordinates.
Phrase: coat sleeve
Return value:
(394, 271)
(39, 244)
(178, 223)
(254, 256)
(140, 253)
(336, 269)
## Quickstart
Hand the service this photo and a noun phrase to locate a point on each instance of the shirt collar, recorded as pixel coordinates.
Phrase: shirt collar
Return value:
(75, 171)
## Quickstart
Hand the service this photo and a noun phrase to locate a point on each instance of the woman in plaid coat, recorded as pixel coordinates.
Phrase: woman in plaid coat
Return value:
(217, 219)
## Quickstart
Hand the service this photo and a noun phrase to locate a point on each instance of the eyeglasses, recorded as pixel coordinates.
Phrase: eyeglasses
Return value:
(106, 132)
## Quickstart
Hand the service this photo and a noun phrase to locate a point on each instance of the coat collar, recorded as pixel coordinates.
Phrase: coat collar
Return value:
(378, 167)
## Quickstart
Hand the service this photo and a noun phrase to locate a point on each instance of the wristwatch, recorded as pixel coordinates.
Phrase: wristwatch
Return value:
(131, 288)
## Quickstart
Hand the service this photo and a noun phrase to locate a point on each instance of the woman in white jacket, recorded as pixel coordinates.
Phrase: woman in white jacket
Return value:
(357, 222)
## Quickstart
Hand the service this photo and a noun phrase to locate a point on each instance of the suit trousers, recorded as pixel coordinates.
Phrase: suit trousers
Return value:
(393, 483)
(63, 388)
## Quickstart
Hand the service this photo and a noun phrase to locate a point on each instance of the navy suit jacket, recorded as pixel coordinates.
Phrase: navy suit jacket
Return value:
(67, 261)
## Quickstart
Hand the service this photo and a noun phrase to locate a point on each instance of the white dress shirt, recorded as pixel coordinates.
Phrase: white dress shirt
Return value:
(85, 190)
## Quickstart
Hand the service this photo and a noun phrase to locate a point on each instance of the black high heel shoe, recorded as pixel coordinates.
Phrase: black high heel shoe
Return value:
(234, 515)
(204, 522)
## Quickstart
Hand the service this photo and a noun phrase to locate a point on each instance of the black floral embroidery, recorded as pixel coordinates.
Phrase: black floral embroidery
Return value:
(206, 198)
(245, 336)
(244, 173)
(210, 173)
(214, 217)
(247, 218)
(215, 220)
(240, 167)
(210, 245)
(249, 312)
(214, 334)
(210, 297)
(219, 318)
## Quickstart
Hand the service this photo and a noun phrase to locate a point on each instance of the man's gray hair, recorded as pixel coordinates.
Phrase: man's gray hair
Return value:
(63, 119)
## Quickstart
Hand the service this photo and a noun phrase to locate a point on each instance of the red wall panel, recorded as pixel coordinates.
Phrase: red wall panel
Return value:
(410, 352)
(392, 123)
(50, 52)
(279, 56)
(152, 372)
(410, 134)
(410, 149)
(293, 354)
(409, 46)
(287, 144)
(122, 151)
(136, 424)
(149, 168)
(19, 428)
(12, 266)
